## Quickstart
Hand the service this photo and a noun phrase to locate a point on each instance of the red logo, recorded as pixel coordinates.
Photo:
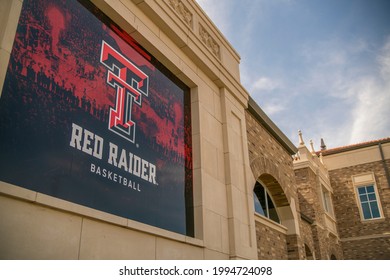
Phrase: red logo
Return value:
(130, 84)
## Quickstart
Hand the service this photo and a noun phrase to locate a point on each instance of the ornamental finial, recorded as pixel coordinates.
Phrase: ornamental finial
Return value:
(312, 147)
(301, 143)
(323, 146)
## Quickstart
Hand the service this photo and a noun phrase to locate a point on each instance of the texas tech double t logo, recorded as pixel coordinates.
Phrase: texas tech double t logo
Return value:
(130, 84)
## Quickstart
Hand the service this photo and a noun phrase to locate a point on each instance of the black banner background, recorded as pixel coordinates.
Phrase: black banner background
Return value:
(55, 79)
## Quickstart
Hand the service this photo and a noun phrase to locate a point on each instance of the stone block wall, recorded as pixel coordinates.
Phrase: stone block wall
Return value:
(188, 44)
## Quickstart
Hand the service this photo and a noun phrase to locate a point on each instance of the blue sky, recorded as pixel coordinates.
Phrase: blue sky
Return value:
(319, 66)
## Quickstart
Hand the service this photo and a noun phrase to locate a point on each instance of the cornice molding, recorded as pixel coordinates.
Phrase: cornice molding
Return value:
(209, 41)
(185, 14)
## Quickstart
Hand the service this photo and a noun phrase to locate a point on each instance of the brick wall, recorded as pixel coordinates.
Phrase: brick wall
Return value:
(324, 243)
(310, 206)
(267, 154)
(351, 228)
(271, 244)
(334, 247)
(273, 164)
(295, 247)
(368, 249)
(306, 181)
(307, 234)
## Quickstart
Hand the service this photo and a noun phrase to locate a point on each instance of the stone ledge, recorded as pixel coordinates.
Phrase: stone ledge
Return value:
(63, 205)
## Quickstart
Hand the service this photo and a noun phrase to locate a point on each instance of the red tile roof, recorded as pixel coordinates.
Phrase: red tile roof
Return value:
(353, 147)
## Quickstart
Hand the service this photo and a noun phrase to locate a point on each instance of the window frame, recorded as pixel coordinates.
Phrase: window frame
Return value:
(360, 202)
(368, 181)
(267, 195)
(327, 201)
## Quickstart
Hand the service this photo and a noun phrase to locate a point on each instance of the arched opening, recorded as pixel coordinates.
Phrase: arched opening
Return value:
(333, 257)
(268, 174)
(264, 204)
(308, 253)
(275, 217)
(267, 190)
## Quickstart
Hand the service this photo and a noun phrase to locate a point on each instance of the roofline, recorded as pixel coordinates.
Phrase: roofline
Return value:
(354, 147)
(262, 117)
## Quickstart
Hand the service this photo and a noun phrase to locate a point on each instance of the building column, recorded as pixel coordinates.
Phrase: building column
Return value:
(239, 180)
(9, 18)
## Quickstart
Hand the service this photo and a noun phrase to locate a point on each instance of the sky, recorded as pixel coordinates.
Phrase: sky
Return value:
(322, 67)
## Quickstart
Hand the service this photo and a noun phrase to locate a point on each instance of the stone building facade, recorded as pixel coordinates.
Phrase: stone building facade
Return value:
(359, 175)
(184, 41)
(270, 160)
(253, 195)
(299, 185)
(315, 199)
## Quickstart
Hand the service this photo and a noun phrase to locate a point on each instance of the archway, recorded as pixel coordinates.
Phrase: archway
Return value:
(277, 231)
(308, 253)
(264, 204)
(283, 208)
(281, 190)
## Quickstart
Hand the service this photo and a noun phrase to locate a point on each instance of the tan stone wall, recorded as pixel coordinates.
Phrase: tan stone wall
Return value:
(271, 244)
(190, 46)
(350, 225)
(31, 229)
(357, 156)
(9, 10)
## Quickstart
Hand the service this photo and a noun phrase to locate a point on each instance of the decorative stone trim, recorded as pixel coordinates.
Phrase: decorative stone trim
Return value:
(182, 10)
(43, 200)
(208, 40)
(271, 224)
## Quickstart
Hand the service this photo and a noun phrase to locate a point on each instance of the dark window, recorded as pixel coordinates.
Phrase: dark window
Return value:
(264, 204)
(368, 202)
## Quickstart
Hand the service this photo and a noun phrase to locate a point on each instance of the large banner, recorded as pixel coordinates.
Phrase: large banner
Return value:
(88, 116)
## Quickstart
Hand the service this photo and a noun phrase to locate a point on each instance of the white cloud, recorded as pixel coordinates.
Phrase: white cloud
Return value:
(265, 84)
(359, 94)
(384, 60)
(343, 95)
(370, 115)
(371, 112)
(272, 108)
